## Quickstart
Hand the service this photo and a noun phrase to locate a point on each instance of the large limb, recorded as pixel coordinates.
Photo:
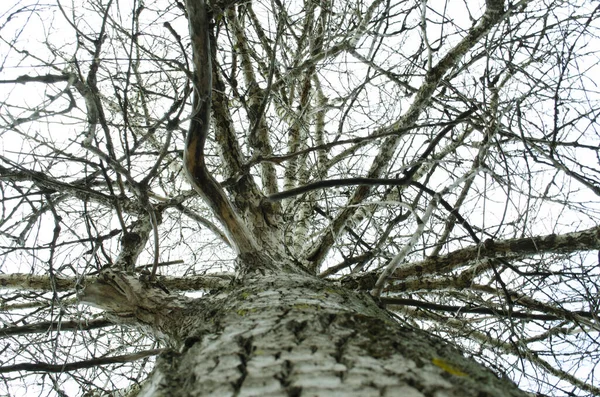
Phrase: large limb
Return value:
(586, 240)
(194, 163)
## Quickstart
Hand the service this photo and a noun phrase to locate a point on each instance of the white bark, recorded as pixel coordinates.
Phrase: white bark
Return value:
(288, 335)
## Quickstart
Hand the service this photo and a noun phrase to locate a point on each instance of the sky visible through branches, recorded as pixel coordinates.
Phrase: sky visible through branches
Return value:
(95, 101)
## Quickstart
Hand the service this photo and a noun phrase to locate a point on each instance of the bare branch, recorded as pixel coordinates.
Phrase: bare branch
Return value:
(57, 368)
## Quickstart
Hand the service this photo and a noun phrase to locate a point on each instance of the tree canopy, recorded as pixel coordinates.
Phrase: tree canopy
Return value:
(442, 156)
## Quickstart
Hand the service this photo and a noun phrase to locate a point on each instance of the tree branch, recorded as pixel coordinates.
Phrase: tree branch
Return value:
(28, 282)
(47, 326)
(200, 178)
(585, 240)
(57, 368)
(478, 310)
(46, 78)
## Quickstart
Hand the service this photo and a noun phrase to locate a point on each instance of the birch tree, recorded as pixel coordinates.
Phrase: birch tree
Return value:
(303, 198)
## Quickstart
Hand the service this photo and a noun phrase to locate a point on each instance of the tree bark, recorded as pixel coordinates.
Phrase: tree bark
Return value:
(287, 335)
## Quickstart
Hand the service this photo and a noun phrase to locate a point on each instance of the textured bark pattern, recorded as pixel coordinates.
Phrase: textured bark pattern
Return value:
(297, 336)
(138, 302)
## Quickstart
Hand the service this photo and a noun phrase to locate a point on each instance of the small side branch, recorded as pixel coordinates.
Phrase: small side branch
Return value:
(47, 326)
(479, 310)
(58, 368)
(395, 262)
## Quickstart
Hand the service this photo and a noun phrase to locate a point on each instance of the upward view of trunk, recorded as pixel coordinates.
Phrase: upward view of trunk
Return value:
(276, 330)
(289, 335)
(299, 198)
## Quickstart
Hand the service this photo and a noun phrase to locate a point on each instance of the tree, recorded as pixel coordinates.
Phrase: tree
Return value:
(300, 198)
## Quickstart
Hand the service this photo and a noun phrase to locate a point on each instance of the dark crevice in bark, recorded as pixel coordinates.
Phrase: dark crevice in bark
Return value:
(340, 347)
(284, 376)
(246, 349)
(297, 328)
(326, 320)
(282, 316)
(294, 391)
(191, 341)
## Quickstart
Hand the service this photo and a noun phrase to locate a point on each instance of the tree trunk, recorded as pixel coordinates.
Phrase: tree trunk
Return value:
(288, 335)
